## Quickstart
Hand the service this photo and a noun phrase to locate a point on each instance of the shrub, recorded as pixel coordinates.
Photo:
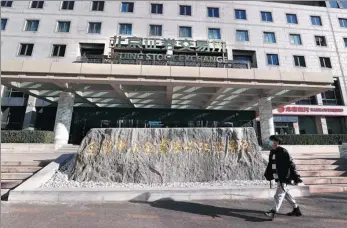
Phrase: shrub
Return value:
(313, 139)
(27, 136)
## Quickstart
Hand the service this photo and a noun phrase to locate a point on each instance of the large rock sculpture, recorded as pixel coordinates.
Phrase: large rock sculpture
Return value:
(162, 155)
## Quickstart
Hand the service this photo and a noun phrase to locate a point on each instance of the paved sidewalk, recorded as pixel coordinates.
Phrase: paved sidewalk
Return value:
(328, 211)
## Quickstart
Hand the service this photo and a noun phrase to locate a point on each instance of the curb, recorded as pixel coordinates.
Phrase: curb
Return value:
(148, 195)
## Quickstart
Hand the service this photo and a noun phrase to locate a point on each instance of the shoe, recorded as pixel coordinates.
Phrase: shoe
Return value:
(270, 214)
(295, 212)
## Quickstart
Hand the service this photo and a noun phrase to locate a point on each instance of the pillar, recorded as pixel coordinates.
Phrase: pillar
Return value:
(30, 114)
(267, 127)
(321, 124)
(63, 119)
(296, 128)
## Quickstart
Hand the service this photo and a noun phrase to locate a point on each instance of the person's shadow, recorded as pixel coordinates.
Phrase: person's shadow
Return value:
(205, 210)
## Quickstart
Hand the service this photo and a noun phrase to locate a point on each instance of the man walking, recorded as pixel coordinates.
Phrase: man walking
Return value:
(281, 168)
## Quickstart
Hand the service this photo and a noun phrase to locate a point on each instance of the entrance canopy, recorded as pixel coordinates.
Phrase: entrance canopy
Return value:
(150, 86)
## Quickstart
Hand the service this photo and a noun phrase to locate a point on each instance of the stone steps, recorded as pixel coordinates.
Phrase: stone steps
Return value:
(19, 163)
(324, 180)
(20, 169)
(323, 173)
(321, 167)
(320, 161)
(314, 189)
(9, 184)
(15, 176)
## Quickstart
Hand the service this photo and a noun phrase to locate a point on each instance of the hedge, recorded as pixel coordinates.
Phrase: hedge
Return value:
(27, 136)
(312, 139)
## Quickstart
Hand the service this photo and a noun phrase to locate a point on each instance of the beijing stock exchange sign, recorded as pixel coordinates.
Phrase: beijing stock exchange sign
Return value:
(166, 47)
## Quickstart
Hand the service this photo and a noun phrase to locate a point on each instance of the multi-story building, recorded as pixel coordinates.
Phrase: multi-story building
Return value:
(307, 39)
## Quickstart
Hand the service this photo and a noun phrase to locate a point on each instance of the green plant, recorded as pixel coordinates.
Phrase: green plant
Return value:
(27, 137)
(313, 139)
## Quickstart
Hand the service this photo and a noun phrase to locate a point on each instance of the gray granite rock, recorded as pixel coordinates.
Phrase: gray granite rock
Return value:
(165, 155)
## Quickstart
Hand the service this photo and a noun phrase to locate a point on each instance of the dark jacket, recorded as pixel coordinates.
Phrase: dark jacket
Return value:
(286, 169)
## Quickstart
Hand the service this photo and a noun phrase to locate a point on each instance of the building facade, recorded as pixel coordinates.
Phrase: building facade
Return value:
(293, 36)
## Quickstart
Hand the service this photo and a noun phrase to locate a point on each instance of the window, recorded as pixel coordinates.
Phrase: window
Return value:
(185, 31)
(32, 25)
(214, 33)
(213, 12)
(36, 4)
(26, 49)
(155, 30)
(98, 5)
(333, 96)
(94, 27)
(343, 22)
(269, 37)
(295, 39)
(3, 23)
(186, 10)
(125, 29)
(6, 3)
(63, 26)
(240, 14)
(292, 19)
(68, 5)
(272, 59)
(320, 41)
(338, 4)
(325, 62)
(316, 20)
(157, 8)
(127, 7)
(242, 35)
(58, 50)
(344, 39)
(299, 61)
(266, 16)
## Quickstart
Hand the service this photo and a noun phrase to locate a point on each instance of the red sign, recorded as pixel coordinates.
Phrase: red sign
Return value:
(303, 109)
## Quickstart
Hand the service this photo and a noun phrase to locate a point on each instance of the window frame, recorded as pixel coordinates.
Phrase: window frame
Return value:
(296, 18)
(326, 43)
(52, 52)
(299, 61)
(133, 7)
(342, 21)
(267, 60)
(214, 28)
(316, 16)
(57, 28)
(185, 26)
(161, 30)
(26, 25)
(5, 19)
(93, 22)
(92, 6)
(162, 8)
(120, 26)
(6, 2)
(179, 10)
(261, 16)
(320, 62)
(38, 3)
(274, 35)
(295, 34)
(62, 3)
(235, 10)
(345, 41)
(213, 8)
(242, 30)
(20, 48)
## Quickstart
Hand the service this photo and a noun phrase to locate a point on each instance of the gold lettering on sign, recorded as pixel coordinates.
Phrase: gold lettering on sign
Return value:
(148, 147)
(206, 147)
(136, 148)
(188, 147)
(164, 145)
(106, 147)
(121, 145)
(176, 146)
(233, 147)
(91, 148)
(218, 146)
(246, 146)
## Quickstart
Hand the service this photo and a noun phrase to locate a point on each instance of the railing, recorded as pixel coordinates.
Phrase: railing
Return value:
(102, 59)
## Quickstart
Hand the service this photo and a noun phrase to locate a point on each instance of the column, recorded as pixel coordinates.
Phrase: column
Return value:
(296, 128)
(30, 114)
(321, 124)
(63, 119)
(267, 127)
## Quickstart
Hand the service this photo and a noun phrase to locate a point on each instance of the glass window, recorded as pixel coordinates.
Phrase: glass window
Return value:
(343, 22)
(36, 4)
(240, 14)
(266, 16)
(316, 20)
(242, 35)
(343, 4)
(214, 33)
(325, 62)
(32, 25)
(321, 41)
(125, 29)
(334, 4)
(68, 5)
(3, 23)
(63, 26)
(157, 8)
(299, 61)
(295, 39)
(213, 12)
(272, 59)
(292, 19)
(58, 50)
(185, 31)
(94, 27)
(127, 7)
(6, 3)
(98, 5)
(344, 40)
(155, 30)
(26, 49)
(333, 96)
(185, 10)
(269, 37)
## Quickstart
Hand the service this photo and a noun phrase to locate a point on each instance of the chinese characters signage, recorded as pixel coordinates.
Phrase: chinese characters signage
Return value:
(313, 110)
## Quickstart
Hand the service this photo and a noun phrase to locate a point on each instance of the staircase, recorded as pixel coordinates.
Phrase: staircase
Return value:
(19, 162)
